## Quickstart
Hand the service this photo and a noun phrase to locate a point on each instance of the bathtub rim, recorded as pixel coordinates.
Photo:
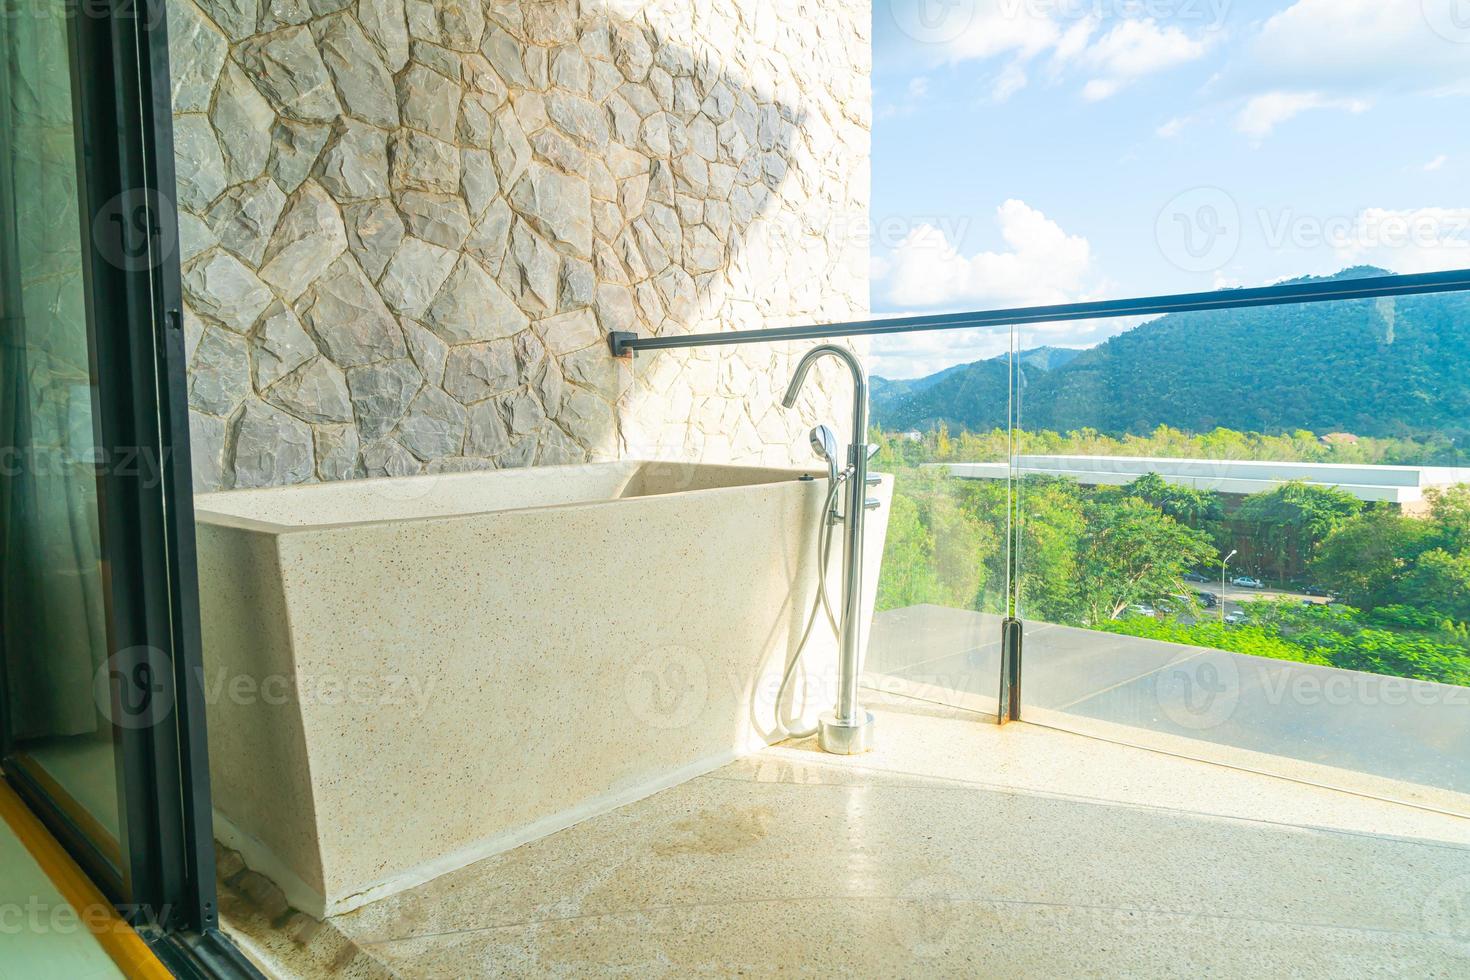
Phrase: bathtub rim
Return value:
(215, 518)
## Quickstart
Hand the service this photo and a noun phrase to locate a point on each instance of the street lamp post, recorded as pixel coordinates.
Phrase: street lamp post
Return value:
(1223, 562)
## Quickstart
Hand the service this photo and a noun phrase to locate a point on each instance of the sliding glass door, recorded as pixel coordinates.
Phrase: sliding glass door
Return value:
(51, 571)
(101, 715)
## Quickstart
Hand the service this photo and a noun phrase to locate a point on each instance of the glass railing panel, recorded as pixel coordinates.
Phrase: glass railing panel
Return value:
(944, 579)
(1243, 536)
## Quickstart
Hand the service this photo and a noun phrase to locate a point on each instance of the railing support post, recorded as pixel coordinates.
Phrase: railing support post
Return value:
(1009, 708)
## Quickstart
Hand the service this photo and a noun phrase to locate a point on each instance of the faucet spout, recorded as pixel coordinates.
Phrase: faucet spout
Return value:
(847, 729)
(859, 385)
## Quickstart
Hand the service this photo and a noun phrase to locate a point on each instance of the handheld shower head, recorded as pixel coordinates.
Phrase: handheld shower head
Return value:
(824, 443)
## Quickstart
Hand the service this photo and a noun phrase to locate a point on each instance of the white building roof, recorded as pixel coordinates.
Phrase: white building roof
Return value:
(1395, 484)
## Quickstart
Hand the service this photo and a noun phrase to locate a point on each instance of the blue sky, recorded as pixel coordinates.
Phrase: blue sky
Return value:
(1042, 151)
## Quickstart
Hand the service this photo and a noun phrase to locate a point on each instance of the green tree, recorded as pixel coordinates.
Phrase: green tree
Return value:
(1133, 552)
(1438, 581)
(1052, 526)
(1366, 558)
(936, 551)
(1449, 508)
(1292, 520)
(1184, 504)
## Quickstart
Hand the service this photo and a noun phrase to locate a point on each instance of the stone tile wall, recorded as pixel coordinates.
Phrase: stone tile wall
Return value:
(406, 227)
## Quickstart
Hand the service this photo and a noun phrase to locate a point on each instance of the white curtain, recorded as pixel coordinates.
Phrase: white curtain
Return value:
(51, 609)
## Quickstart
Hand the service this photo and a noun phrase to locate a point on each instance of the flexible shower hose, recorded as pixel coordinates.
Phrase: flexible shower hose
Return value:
(820, 603)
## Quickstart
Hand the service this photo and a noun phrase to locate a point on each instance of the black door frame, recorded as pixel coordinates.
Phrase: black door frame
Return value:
(124, 123)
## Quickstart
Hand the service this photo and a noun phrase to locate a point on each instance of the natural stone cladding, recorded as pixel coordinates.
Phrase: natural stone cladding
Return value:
(407, 227)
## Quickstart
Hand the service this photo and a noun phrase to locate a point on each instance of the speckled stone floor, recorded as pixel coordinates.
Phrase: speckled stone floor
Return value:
(956, 849)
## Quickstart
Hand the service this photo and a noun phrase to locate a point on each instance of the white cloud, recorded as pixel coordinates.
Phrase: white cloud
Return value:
(1264, 113)
(1041, 264)
(1130, 49)
(1002, 27)
(1172, 128)
(915, 92)
(1101, 88)
(1133, 49)
(1073, 41)
(1010, 81)
(916, 355)
(1357, 45)
(1346, 55)
(1436, 164)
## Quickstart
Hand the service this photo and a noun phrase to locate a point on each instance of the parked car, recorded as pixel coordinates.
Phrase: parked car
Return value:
(1236, 618)
(1316, 590)
(1246, 582)
(1207, 599)
(1197, 577)
(1142, 609)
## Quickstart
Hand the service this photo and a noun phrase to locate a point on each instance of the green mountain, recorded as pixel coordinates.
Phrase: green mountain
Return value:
(1382, 367)
(1046, 358)
(896, 396)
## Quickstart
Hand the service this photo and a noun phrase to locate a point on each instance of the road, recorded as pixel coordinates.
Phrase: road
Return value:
(1234, 595)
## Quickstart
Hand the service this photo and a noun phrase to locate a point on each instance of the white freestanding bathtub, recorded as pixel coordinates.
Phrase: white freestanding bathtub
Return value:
(406, 675)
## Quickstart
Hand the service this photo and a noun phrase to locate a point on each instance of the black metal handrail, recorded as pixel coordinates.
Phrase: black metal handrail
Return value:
(627, 343)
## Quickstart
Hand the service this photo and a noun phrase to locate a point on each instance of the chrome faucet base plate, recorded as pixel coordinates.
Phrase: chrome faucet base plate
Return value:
(845, 738)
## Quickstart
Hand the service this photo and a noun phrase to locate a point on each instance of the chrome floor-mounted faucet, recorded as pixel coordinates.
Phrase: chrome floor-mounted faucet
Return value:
(847, 729)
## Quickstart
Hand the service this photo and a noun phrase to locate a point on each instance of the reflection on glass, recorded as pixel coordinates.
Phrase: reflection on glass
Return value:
(1239, 535)
(53, 617)
(943, 583)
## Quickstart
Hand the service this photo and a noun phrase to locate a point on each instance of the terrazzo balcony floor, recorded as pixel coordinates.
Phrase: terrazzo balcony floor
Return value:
(956, 848)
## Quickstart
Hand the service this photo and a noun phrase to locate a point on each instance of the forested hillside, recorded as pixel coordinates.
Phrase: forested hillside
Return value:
(1372, 367)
